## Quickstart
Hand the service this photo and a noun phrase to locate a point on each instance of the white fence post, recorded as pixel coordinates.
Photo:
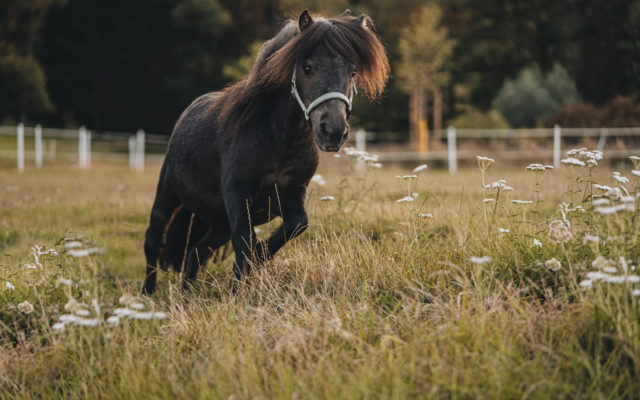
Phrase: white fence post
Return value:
(132, 152)
(140, 150)
(451, 144)
(82, 145)
(20, 133)
(361, 144)
(557, 138)
(38, 145)
(603, 139)
(87, 148)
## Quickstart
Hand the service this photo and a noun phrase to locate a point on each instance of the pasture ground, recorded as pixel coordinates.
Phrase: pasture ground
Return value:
(373, 301)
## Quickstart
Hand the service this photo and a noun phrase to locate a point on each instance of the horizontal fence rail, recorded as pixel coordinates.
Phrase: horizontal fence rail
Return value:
(546, 144)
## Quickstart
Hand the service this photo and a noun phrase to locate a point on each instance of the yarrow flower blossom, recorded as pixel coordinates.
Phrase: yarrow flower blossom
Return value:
(489, 200)
(553, 264)
(327, 198)
(405, 199)
(420, 168)
(80, 253)
(635, 172)
(591, 239)
(317, 178)
(538, 167)
(573, 161)
(503, 230)
(522, 201)
(425, 215)
(25, 307)
(620, 178)
(480, 260)
(404, 177)
(9, 285)
(537, 243)
(558, 232)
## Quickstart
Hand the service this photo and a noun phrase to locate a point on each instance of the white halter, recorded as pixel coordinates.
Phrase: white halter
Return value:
(321, 99)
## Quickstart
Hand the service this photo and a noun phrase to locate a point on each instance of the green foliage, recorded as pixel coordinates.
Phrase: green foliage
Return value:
(622, 111)
(23, 86)
(425, 48)
(242, 65)
(524, 102)
(476, 119)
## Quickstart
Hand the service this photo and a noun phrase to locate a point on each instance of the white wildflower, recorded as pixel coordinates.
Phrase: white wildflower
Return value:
(425, 215)
(87, 322)
(25, 307)
(82, 312)
(522, 201)
(537, 243)
(586, 283)
(485, 159)
(635, 172)
(9, 285)
(405, 199)
(615, 209)
(375, 165)
(136, 306)
(327, 198)
(83, 252)
(63, 282)
(601, 263)
(480, 260)
(420, 168)
(503, 230)
(573, 161)
(591, 239)
(113, 320)
(58, 326)
(558, 232)
(488, 200)
(30, 266)
(74, 244)
(620, 178)
(68, 318)
(553, 264)
(317, 178)
(404, 177)
(636, 292)
(600, 202)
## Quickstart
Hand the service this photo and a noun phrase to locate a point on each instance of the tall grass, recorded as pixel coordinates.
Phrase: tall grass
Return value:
(378, 299)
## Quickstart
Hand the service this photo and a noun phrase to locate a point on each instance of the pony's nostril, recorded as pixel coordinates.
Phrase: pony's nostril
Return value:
(323, 128)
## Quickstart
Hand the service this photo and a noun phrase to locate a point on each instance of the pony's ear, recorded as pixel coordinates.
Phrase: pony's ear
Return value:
(366, 22)
(305, 20)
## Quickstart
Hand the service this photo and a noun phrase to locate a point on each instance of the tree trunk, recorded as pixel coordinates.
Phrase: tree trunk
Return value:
(414, 118)
(437, 113)
(423, 125)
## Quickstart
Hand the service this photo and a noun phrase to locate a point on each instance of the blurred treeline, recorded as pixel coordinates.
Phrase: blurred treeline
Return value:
(123, 65)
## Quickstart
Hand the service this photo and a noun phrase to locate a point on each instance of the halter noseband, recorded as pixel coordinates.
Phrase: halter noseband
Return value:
(327, 96)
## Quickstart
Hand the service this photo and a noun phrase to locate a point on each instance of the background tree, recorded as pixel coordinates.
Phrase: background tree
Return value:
(23, 89)
(425, 48)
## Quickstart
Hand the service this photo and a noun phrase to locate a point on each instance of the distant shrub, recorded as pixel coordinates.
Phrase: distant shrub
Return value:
(476, 119)
(533, 96)
(621, 111)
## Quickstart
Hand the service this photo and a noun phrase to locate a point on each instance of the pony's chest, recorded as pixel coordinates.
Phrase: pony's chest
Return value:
(281, 178)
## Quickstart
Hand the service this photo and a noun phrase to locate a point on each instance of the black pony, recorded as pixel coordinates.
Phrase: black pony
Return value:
(240, 157)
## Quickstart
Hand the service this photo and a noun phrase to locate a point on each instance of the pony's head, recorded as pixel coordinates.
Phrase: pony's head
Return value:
(332, 56)
(320, 62)
(324, 62)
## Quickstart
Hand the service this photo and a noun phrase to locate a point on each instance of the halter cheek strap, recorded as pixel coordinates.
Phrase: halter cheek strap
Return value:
(327, 96)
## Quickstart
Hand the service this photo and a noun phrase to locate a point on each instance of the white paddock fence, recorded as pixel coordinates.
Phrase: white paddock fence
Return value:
(460, 145)
(76, 144)
(545, 144)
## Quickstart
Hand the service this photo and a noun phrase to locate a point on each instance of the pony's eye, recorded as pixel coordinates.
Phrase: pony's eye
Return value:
(307, 70)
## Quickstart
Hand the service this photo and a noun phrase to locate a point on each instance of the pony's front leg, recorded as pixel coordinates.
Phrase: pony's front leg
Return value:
(294, 223)
(238, 204)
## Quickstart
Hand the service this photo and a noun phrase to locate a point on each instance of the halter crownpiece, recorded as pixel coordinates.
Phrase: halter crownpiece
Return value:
(327, 96)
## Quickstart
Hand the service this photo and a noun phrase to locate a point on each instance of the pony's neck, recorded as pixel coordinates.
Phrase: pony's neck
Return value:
(287, 119)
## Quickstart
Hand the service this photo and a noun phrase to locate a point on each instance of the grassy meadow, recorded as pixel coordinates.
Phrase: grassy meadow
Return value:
(525, 289)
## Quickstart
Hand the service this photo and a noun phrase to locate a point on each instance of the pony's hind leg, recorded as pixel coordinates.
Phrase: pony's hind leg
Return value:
(164, 206)
(217, 235)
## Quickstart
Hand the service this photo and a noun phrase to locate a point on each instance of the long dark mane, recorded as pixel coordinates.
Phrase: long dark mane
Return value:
(351, 37)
